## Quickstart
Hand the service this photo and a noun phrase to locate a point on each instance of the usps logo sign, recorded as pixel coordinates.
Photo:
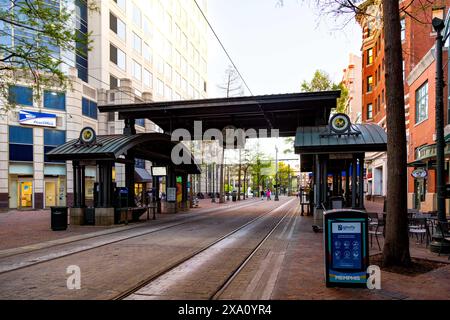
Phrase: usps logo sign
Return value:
(37, 118)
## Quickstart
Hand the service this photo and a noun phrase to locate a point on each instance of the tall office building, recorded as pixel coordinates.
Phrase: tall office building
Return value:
(141, 50)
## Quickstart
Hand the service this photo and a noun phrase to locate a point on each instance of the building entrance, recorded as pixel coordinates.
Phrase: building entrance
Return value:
(50, 193)
(25, 192)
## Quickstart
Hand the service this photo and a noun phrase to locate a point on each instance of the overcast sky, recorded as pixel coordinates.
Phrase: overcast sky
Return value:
(276, 48)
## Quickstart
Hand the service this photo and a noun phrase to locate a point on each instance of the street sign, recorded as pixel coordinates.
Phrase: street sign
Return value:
(171, 194)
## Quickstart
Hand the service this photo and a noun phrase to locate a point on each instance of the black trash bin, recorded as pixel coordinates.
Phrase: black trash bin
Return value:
(234, 195)
(59, 218)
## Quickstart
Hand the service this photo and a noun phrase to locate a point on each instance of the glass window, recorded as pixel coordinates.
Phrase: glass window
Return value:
(422, 103)
(137, 70)
(89, 108)
(402, 29)
(168, 93)
(159, 87)
(147, 28)
(121, 3)
(21, 95)
(147, 53)
(369, 111)
(370, 56)
(54, 100)
(369, 83)
(117, 56)
(137, 43)
(168, 72)
(148, 78)
(113, 82)
(52, 139)
(137, 17)
(117, 26)
(20, 143)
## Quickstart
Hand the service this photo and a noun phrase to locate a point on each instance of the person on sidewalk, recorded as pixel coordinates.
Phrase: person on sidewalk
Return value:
(268, 193)
(263, 194)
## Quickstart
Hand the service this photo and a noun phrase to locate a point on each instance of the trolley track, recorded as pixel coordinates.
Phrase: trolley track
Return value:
(5, 267)
(234, 273)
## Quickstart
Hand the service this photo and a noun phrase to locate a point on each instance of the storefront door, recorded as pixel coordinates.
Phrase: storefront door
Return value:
(25, 200)
(50, 193)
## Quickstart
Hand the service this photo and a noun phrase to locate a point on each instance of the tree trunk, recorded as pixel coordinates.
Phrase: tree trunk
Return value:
(239, 178)
(396, 245)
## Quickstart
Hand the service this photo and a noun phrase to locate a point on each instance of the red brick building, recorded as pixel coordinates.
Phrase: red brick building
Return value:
(418, 38)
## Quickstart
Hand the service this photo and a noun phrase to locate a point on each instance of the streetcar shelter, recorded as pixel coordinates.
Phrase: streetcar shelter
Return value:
(114, 204)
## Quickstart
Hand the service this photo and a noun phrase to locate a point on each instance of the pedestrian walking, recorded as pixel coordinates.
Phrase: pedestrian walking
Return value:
(268, 193)
(262, 194)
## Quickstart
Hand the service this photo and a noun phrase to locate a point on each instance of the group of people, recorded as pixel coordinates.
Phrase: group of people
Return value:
(266, 194)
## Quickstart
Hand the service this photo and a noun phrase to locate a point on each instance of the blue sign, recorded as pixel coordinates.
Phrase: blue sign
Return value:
(346, 245)
(37, 118)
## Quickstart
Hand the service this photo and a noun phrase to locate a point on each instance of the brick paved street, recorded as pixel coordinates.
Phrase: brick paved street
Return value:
(289, 265)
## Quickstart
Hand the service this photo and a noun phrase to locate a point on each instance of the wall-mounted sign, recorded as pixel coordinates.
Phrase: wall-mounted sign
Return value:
(340, 123)
(37, 118)
(419, 173)
(159, 171)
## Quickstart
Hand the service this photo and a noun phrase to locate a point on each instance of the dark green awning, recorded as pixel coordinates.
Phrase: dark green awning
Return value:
(315, 140)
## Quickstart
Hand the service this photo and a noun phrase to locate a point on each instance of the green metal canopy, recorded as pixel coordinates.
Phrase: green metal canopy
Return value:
(318, 140)
(155, 147)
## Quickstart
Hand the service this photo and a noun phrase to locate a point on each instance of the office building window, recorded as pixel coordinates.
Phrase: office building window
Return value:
(147, 53)
(370, 56)
(422, 103)
(382, 96)
(52, 139)
(137, 16)
(20, 95)
(122, 4)
(148, 78)
(137, 43)
(117, 26)
(113, 82)
(159, 87)
(117, 56)
(54, 100)
(369, 111)
(89, 108)
(137, 70)
(20, 143)
(369, 83)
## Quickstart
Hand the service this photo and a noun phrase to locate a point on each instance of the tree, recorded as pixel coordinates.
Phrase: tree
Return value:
(396, 246)
(43, 31)
(232, 87)
(321, 82)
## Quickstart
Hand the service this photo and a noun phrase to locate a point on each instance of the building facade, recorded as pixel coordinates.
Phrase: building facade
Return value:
(418, 39)
(352, 80)
(149, 50)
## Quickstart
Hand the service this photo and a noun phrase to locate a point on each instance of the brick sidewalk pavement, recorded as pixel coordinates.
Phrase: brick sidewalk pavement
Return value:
(23, 228)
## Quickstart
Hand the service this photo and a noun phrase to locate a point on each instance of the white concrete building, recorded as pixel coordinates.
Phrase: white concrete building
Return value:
(142, 50)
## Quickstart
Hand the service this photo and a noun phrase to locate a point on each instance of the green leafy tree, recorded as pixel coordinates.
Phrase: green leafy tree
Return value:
(35, 35)
(321, 82)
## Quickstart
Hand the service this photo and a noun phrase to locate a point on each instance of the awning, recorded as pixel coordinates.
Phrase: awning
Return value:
(142, 175)
(315, 140)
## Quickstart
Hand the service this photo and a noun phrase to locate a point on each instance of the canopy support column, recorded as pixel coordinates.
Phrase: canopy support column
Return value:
(354, 183)
(361, 181)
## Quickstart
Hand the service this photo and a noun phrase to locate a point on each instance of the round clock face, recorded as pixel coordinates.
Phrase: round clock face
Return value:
(339, 123)
(87, 135)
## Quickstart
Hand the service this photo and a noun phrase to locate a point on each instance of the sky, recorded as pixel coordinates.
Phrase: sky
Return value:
(276, 48)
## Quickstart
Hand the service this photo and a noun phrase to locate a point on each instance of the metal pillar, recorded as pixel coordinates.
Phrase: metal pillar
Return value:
(83, 186)
(354, 184)
(347, 182)
(324, 181)
(317, 174)
(129, 179)
(361, 181)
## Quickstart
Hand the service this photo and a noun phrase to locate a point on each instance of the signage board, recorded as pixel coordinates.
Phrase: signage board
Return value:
(346, 243)
(171, 194)
(419, 173)
(159, 171)
(37, 118)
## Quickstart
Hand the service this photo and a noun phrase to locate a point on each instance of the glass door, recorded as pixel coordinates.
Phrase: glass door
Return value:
(50, 194)
(25, 195)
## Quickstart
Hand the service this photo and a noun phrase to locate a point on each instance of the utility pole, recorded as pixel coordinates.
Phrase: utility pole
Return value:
(276, 174)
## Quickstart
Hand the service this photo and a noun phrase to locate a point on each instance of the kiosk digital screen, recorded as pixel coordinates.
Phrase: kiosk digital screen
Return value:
(346, 245)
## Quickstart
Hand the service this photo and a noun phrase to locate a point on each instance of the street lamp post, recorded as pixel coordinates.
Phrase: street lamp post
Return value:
(276, 174)
(438, 25)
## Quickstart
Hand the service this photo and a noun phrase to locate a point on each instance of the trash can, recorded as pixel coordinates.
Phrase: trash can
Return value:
(58, 218)
(346, 248)
(234, 195)
(89, 216)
